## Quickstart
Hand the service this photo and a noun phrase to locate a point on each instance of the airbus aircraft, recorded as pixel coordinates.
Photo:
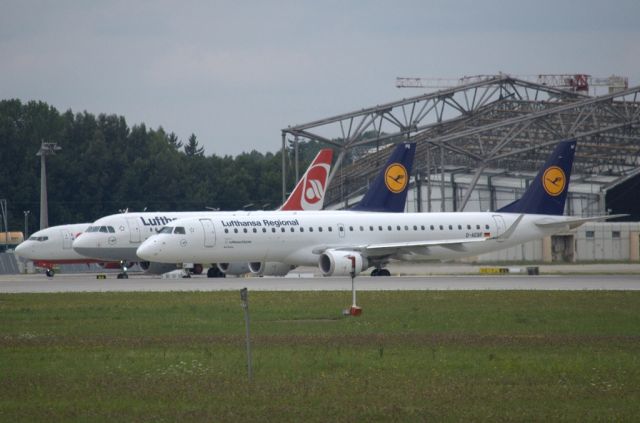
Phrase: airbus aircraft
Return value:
(97, 244)
(333, 239)
(116, 237)
(51, 246)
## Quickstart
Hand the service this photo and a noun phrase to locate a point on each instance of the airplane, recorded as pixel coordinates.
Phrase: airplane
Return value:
(116, 237)
(50, 246)
(342, 243)
(308, 195)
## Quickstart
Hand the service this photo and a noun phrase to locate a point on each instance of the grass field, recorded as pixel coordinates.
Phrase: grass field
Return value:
(411, 356)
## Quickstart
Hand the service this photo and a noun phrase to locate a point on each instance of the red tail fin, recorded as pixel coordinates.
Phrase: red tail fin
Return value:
(309, 192)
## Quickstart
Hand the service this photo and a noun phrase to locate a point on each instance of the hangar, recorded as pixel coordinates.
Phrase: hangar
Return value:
(480, 144)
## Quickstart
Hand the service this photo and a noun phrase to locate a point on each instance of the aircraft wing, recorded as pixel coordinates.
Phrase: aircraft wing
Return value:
(572, 223)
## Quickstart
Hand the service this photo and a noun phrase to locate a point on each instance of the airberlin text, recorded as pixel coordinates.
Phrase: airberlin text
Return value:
(259, 223)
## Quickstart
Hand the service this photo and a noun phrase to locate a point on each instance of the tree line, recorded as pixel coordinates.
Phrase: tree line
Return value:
(104, 166)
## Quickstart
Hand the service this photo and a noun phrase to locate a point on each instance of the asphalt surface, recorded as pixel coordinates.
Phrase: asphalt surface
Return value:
(85, 282)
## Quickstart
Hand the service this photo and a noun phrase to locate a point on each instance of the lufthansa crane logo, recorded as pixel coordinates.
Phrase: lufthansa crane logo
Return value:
(396, 178)
(553, 181)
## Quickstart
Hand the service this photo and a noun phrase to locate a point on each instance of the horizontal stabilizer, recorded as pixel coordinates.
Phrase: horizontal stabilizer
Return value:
(572, 223)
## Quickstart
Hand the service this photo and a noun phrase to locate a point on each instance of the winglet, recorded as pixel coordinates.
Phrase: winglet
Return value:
(309, 192)
(548, 191)
(388, 192)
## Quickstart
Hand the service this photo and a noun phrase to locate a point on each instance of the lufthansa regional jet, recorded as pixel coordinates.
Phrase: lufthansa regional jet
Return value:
(338, 241)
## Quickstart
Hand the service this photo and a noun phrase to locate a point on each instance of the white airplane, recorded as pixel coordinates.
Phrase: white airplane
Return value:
(50, 246)
(340, 242)
(116, 237)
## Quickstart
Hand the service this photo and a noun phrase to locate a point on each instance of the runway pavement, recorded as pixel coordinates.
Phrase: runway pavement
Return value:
(38, 283)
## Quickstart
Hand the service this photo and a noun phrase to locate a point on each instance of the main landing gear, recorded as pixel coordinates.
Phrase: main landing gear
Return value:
(214, 272)
(380, 272)
(49, 272)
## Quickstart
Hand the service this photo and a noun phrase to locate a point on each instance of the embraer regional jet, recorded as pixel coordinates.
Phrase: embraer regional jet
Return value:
(116, 237)
(332, 239)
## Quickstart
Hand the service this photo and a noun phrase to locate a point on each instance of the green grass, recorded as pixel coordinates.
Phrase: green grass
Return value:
(411, 356)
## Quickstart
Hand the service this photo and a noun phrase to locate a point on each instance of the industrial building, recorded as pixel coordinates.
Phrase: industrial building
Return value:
(481, 142)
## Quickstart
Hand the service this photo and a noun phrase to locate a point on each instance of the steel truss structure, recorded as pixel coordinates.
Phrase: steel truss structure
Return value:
(500, 122)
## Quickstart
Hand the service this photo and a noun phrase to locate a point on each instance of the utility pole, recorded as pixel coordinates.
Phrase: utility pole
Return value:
(26, 223)
(3, 209)
(46, 149)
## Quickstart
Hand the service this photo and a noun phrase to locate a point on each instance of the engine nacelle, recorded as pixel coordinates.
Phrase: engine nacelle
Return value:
(235, 269)
(338, 263)
(154, 268)
(270, 268)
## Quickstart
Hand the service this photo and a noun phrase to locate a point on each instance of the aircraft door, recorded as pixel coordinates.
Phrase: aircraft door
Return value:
(500, 225)
(67, 240)
(209, 232)
(134, 229)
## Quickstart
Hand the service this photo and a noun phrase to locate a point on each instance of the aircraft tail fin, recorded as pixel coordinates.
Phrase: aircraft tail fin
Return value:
(548, 191)
(309, 192)
(388, 192)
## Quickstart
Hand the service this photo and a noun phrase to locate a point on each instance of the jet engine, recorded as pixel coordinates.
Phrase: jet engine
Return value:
(154, 268)
(338, 263)
(270, 268)
(235, 269)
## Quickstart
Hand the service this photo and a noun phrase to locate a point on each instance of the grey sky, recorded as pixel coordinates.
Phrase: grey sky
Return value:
(235, 73)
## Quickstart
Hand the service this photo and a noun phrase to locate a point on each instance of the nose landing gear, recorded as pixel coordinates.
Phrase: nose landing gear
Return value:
(123, 274)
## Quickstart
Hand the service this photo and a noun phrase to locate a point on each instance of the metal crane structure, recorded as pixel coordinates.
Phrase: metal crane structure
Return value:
(486, 129)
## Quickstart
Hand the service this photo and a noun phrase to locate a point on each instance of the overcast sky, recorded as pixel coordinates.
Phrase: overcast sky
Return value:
(236, 72)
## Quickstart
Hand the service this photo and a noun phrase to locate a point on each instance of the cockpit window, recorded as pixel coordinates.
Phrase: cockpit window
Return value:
(111, 229)
(38, 238)
(103, 229)
(179, 230)
(165, 230)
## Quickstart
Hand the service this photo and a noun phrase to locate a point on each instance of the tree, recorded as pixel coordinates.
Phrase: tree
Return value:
(192, 148)
(173, 141)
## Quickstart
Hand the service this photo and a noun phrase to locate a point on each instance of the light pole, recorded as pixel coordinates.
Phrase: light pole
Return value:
(46, 149)
(26, 223)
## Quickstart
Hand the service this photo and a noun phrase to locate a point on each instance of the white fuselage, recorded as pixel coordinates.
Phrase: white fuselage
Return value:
(300, 237)
(53, 244)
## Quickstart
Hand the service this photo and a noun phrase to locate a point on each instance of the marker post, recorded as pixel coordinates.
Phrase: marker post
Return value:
(354, 310)
(244, 297)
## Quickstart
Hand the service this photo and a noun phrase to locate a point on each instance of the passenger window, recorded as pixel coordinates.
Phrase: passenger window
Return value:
(361, 229)
(450, 227)
(380, 228)
(264, 230)
(469, 227)
(273, 230)
(179, 230)
(422, 227)
(478, 227)
(389, 227)
(398, 227)
(415, 228)
(281, 229)
(341, 228)
(235, 230)
(293, 229)
(301, 229)
(330, 229)
(255, 230)
(486, 226)
(406, 228)
(431, 227)
(371, 228)
(244, 230)
(350, 228)
(441, 227)
(460, 227)
(319, 228)
(310, 228)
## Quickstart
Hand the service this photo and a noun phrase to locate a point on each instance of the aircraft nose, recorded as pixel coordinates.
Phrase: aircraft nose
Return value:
(22, 249)
(148, 250)
(83, 246)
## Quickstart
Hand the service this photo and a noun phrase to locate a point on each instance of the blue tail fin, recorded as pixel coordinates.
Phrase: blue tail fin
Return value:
(388, 192)
(548, 191)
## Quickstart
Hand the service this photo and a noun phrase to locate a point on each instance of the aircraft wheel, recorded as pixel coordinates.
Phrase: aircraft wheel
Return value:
(197, 269)
(49, 273)
(214, 272)
(123, 276)
(375, 272)
(384, 272)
